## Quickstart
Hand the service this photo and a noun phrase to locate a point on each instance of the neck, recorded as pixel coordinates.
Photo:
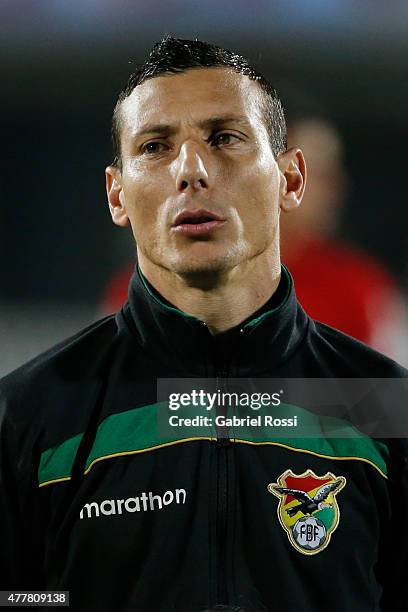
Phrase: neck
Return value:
(222, 299)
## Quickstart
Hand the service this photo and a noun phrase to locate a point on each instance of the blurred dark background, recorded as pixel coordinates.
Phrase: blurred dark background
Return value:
(63, 63)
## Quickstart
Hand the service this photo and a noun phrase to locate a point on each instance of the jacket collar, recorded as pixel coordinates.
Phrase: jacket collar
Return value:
(181, 345)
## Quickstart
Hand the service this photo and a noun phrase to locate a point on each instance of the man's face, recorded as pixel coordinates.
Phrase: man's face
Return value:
(196, 143)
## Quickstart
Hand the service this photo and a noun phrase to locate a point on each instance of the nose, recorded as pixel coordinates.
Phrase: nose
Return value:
(191, 172)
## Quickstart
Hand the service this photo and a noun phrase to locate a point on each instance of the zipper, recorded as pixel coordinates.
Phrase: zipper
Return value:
(222, 520)
(223, 486)
(221, 385)
(222, 450)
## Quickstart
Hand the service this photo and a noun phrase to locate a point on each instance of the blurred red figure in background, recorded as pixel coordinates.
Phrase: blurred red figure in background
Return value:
(348, 289)
(115, 293)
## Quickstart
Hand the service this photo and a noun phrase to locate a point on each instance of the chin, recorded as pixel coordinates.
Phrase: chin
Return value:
(205, 268)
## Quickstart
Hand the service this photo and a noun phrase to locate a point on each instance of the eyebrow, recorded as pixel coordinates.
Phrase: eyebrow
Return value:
(206, 124)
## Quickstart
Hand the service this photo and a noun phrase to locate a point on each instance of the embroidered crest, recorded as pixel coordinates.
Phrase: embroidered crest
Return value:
(308, 509)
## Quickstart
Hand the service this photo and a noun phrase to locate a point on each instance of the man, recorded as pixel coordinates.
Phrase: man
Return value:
(350, 289)
(92, 499)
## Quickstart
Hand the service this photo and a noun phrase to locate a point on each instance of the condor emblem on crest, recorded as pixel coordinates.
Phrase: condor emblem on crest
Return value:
(308, 509)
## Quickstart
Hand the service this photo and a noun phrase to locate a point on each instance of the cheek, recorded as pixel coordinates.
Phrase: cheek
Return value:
(260, 188)
(144, 204)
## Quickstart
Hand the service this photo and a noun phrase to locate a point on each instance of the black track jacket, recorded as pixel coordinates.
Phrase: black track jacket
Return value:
(94, 501)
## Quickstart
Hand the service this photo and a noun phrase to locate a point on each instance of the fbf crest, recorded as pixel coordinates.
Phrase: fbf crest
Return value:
(308, 510)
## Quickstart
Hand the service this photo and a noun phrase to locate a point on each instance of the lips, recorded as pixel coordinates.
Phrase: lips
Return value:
(195, 217)
(196, 223)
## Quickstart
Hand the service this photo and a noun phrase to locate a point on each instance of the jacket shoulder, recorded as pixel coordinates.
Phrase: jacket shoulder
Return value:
(350, 357)
(76, 357)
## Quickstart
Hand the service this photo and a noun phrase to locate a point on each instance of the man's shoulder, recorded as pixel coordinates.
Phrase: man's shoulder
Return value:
(354, 357)
(70, 358)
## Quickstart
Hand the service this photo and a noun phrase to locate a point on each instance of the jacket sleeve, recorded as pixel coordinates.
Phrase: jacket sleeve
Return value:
(20, 540)
(393, 550)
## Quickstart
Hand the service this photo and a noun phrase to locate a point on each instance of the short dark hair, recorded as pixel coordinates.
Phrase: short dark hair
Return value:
(221, 608)
(174, 55)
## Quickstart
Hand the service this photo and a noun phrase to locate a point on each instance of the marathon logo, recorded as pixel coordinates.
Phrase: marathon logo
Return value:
(146, 502)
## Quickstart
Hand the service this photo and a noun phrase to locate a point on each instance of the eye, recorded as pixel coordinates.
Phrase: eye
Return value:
(151, 148)
(224, 138)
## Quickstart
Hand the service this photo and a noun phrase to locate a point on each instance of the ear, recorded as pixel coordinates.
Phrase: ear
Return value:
(292, 168)
(115, 196)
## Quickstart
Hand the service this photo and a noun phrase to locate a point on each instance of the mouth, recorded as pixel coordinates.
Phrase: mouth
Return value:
(196, 222)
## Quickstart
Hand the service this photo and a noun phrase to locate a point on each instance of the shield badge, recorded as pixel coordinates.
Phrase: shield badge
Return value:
(308, 510)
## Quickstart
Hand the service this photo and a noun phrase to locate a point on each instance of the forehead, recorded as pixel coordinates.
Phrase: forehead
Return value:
(192, 96)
